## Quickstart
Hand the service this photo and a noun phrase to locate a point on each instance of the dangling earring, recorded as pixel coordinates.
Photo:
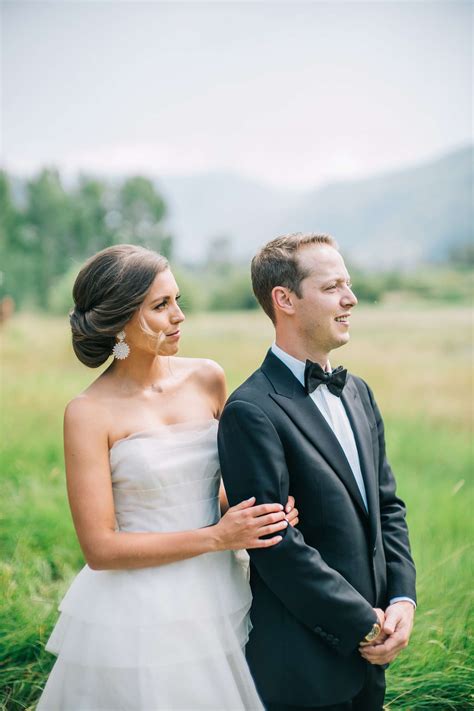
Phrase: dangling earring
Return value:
(121, 350)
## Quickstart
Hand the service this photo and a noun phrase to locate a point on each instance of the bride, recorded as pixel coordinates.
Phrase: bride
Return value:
(158, 618)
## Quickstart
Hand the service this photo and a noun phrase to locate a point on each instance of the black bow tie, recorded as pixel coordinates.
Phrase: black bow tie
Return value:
(314, 376)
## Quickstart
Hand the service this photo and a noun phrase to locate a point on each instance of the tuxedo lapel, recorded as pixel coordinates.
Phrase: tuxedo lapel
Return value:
(363, 438)
(292, 398)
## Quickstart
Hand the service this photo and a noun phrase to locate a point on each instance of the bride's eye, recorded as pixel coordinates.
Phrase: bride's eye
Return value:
(158, 307)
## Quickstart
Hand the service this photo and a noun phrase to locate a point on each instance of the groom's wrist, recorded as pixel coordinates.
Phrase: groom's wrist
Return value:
(394, 600)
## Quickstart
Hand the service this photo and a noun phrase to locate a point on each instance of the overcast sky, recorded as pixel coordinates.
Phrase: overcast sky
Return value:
(290, 93)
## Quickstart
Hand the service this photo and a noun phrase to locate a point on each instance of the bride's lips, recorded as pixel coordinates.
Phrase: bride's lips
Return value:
(173, 336)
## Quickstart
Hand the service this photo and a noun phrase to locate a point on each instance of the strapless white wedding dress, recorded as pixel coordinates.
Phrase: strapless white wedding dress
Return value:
(169, 637)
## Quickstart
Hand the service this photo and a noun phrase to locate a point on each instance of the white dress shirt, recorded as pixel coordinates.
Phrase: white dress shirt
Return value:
(333, 411)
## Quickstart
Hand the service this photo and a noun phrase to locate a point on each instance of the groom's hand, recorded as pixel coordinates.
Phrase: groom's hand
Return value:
(396, 629)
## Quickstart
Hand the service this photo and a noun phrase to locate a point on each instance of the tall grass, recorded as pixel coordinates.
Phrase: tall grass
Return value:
(417, 360)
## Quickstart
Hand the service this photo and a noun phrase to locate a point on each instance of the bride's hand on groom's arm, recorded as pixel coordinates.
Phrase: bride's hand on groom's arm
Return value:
(292, 513)
(243, 526)
(395, 634)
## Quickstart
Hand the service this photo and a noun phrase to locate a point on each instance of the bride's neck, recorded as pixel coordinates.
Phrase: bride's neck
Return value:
(142, 371)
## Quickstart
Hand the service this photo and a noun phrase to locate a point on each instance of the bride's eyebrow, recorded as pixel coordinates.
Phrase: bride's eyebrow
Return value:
(158, 299)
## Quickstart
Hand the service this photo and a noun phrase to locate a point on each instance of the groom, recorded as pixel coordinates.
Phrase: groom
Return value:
(333, 603)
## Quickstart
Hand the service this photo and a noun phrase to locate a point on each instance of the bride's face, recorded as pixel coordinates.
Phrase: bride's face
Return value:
(154, 328)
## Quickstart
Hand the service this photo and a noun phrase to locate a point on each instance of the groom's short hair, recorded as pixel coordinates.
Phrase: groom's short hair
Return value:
(277, 264)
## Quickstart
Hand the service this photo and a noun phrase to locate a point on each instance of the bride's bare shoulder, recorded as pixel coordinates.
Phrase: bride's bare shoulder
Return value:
(86, 410)
(209, 378)
(203, 370)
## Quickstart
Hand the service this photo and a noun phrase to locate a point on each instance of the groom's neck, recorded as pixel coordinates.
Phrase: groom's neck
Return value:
(300, 350)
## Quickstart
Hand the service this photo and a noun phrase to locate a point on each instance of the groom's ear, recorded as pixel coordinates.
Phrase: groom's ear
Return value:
(283, 300)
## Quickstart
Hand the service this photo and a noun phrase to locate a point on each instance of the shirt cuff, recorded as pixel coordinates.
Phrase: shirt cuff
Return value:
(400, 599)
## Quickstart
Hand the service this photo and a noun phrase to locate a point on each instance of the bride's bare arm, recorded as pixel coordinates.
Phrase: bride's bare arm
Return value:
(90, 497)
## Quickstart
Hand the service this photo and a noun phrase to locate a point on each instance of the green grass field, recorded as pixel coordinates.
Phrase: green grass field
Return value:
(416, 358)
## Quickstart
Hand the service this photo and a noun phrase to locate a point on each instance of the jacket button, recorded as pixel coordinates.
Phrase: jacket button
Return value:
(374, 551)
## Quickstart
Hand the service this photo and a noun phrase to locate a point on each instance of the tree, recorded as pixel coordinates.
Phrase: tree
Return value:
(57, 229)
(92, 220)
(14, 258)
(461, 255)
(219, 253)
(8, 233)
(142, 211)
(47, 233)
(234, 292)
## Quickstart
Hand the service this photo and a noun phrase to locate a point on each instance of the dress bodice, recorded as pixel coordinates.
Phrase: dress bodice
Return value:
(167, 479)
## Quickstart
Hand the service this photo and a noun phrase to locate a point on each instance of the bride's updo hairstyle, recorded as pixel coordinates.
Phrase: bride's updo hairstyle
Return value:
(108, 290)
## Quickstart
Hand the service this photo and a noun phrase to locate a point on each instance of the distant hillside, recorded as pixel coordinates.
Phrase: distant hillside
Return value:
(207, 206)
(412, 215)
(396, 219)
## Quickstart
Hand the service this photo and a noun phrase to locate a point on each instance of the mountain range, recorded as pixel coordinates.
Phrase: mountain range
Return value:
(397, 219)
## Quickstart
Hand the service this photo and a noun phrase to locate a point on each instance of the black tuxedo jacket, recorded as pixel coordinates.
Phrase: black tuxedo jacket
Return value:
(314, 593)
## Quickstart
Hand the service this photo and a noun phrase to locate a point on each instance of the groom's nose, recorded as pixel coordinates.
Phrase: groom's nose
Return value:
(349, 298)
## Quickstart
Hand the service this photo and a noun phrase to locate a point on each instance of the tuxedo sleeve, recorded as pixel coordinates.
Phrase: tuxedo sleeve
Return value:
(253, 464)
(401, 575)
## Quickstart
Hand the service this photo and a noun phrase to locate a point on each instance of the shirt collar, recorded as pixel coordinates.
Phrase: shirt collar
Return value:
(296, 366)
